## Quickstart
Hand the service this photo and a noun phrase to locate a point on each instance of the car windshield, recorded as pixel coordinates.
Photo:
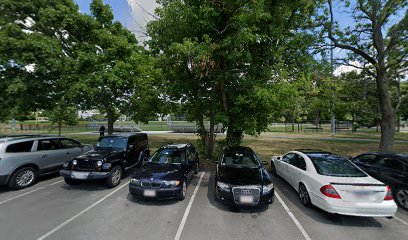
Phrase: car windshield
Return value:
(240, 159)
(168, 156)
(336, 166)
(112, 142)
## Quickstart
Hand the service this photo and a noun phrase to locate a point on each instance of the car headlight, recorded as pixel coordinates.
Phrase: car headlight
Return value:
(223, 186)
(99, 163)
(267, 188)
(135, 181)
(74, 162)
(173, 183)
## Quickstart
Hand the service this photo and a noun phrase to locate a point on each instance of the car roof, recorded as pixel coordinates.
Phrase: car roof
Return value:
(125, 135)
(10, 138)
(401, 156)
(176, 146)
(312, 151)
(237, 149)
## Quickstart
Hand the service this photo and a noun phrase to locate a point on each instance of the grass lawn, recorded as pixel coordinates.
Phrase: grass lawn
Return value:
(264, 145)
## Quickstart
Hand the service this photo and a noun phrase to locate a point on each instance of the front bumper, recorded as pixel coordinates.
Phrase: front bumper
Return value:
(161, 193)
(228, 198)
(338, 206)
(84, 175)
(3, 180)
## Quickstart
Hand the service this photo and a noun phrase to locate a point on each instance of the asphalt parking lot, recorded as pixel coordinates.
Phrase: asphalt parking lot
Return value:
(53, 210)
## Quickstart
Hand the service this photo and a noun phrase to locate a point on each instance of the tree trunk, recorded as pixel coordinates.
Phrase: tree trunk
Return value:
(211, 137)
(387, 113)
(59, 127)
(111, 120)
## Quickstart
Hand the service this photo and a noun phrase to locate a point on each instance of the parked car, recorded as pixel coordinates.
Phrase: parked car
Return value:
(111, 157)
(334, 184)
(241, 178)
(391, 169)
(25, 157)
(167, 173)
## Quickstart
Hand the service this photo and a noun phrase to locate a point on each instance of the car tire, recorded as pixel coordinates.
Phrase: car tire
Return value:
(71, 181)
(401, 197)
(114, 177)
(273, 169)
(23, 178)
(197, 168)
(304, 195)
(183, 191)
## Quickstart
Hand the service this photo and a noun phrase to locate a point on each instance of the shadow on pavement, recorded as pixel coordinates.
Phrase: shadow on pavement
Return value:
(225, 207)
(152, 202)
(319, 215)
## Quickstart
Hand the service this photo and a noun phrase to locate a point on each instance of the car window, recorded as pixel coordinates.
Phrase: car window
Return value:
(389, 163)
(244, 159)
(112, 142)
(333, 165)
(298, 162)
(68, 143)
(168, 156)
(20, 147)
(48, 144)
(191, 154)
(366, 158)
(288, 158)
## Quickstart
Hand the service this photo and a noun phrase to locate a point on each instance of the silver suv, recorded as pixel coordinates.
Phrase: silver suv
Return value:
(25, 157)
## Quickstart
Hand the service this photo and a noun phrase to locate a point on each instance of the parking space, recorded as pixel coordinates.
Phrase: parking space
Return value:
(91, 211)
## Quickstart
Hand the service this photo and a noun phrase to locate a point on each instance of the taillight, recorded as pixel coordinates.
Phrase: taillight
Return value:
(388, 196)
(329, 191)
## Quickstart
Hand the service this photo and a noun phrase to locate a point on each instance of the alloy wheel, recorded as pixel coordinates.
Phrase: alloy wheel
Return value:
(304, 196)
(25, 178)
(116, 175)
(402, 197)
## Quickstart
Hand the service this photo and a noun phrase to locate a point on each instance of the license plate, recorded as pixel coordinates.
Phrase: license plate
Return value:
(79, 175)
(362, 193)
(149, 193)
(246, 199)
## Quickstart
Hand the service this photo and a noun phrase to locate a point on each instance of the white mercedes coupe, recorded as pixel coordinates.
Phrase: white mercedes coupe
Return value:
(334, 184)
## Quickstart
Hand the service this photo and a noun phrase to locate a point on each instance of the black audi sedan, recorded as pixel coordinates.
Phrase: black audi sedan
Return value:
(389, 168)
(167, 173)
(241, 178)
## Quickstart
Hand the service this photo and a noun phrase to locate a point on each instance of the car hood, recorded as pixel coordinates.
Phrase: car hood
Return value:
(240, 176)
(160, 171)
(100, 153)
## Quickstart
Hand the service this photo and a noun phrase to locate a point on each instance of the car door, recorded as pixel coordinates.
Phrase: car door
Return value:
(388, 170)
(132, 151)
(49, 154)
(296, 170)
(72, 149)
(284, 165)
(191, 157)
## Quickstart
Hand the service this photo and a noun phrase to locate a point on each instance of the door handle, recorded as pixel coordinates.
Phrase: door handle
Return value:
(44, 156)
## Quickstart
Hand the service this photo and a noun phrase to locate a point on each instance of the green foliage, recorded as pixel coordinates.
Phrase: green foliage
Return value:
(231, 61)
(62, 114)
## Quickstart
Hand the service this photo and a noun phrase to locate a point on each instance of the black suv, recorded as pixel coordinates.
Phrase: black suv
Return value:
(112, 155)
(167, 173)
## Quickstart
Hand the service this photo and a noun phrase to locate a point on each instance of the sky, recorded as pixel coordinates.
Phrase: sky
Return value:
(133, 14)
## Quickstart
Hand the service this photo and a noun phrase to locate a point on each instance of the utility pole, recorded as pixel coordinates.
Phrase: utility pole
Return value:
(333, 120)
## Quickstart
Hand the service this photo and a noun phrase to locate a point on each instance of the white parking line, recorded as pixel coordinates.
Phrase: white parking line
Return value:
(190, 203)
(402, 221)
(80, 213)
(34, 190)
(302, 230)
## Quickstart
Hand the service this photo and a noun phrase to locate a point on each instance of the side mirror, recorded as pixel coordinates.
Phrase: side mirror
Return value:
(264, 162)
(216, 162)
(279, 158)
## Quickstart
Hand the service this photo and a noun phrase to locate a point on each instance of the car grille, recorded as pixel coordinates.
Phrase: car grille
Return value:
(254, 191)
(89, 165)
(151, 184)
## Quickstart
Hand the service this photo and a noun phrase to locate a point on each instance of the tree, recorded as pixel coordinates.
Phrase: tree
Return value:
(228, 61)
(62, 114)
(379, 40)
(33, 54)
(109, 64)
